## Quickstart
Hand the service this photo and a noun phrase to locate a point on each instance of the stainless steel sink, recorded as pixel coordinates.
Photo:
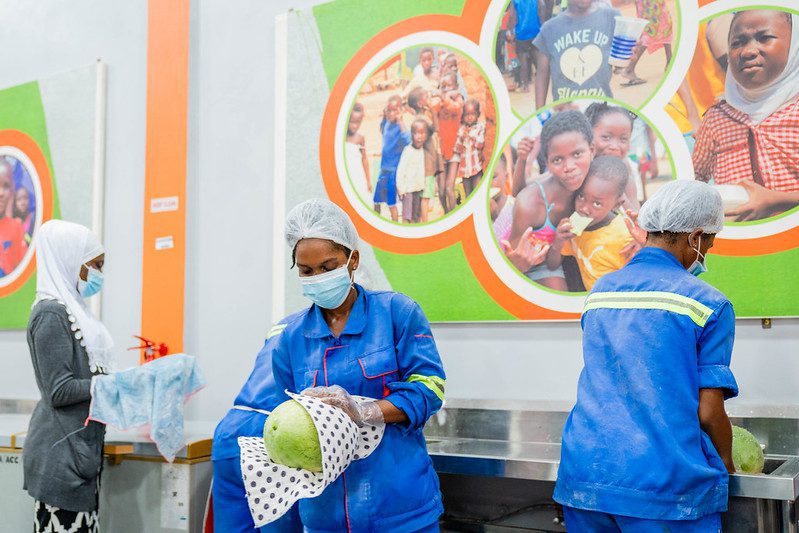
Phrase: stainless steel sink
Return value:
(779, 480)
(521, 445)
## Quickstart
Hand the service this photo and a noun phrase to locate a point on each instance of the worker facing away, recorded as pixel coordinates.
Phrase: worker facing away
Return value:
(648, 445)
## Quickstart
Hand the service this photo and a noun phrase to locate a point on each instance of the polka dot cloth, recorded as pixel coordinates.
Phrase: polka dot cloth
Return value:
(272, 488)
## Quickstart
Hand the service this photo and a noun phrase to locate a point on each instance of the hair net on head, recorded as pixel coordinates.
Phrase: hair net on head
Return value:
(682, 206)
(320, 218)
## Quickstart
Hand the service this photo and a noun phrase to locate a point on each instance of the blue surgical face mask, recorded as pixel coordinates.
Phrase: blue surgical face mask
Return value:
(698, 267)
(328, 290)
(93, 283)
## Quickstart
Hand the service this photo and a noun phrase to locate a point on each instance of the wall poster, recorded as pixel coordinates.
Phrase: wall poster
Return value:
(494, 154)
(51, 162)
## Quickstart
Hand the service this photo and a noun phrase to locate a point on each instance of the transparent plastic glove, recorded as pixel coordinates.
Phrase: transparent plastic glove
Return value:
(366, 413)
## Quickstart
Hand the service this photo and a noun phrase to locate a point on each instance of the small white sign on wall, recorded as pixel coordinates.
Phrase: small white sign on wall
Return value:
(162, 205)
(164, 243)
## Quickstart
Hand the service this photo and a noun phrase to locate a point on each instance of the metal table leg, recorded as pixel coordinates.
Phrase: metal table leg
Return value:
(788, 517)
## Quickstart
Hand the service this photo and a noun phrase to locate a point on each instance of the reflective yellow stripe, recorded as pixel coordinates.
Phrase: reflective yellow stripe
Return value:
(666, 301)
(277, 329)
(434, 383)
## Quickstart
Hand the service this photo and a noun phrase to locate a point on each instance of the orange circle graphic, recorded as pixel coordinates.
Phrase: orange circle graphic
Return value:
(25, 144)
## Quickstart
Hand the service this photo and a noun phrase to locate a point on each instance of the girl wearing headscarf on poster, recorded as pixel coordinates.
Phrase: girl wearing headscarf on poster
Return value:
(12, 235)
(63, 452)
(751, 136)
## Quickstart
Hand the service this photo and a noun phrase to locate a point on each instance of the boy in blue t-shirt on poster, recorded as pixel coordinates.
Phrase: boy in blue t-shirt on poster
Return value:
(395, 139)
(523, 25)
(573, 52)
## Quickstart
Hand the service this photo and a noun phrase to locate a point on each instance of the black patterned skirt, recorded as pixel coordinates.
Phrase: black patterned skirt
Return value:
(49, 519)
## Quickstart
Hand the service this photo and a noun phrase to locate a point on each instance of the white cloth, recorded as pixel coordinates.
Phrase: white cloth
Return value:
(760, 103)
(61, 249)
(273, 488)
(150, 395)
(410, 170)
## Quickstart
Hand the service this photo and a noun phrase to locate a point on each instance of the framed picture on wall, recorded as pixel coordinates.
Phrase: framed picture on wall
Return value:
(52, 137)
(493, 86)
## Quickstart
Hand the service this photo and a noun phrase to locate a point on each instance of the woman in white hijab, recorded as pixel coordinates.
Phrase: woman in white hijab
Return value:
(750, 137)
(63, 454)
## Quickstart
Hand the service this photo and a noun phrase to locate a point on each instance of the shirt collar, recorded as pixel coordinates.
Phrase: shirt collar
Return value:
(315, 326)
(651, 254)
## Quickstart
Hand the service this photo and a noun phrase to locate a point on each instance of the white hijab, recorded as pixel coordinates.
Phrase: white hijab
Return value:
(61, 249)
(760, 103)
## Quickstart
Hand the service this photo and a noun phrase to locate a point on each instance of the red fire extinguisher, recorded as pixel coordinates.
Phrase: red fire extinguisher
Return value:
(150, 350)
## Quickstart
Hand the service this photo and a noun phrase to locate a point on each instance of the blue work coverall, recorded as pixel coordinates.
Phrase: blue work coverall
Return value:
(634, 457)
(386, 351)
(256, 399)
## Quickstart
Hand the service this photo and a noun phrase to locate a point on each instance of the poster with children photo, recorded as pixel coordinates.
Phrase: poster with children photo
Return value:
(551, 50)
(738, 109)
(420, 134)
(566, 190)
(17, 215)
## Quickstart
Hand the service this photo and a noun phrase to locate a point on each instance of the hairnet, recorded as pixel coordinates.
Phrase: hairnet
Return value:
(682, 206)
(319, 218)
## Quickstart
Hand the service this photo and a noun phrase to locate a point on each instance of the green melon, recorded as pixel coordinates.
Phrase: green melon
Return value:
(290, 437)
(747, 455)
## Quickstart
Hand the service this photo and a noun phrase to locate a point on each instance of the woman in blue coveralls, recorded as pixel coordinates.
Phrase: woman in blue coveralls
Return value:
(352, 342)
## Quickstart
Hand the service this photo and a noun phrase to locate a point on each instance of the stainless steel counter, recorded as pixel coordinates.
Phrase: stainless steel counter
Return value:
(512, 442)
(139, 492)
(13, 427)
(539, 462)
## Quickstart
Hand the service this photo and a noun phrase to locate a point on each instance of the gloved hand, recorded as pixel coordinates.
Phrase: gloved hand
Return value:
(366, 413)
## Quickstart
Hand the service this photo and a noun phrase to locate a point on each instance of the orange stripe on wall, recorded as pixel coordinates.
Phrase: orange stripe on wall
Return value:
(163, 271)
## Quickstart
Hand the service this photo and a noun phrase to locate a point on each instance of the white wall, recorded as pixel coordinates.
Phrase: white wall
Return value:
(229, 197)
(229, 238)
(543, 361)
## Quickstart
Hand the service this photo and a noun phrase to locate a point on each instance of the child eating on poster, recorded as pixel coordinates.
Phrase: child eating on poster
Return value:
(596, 232)
(573, 52)
(613, 131)
(751, 137)
(469, 147)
